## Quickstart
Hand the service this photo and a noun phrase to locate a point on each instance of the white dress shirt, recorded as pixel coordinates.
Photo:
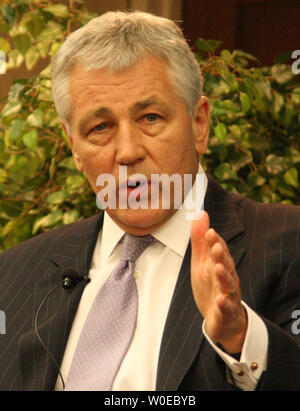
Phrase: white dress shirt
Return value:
(156, 274)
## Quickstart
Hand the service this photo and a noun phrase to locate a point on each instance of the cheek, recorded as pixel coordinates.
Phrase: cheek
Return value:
(178, 147)
(95, 161)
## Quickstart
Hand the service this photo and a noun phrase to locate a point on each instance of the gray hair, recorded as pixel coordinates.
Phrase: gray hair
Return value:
(118, 40)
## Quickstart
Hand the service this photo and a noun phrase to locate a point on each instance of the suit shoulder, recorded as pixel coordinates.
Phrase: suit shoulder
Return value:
(246, 206)
(274, 208)
(82, 227)
(283, 216)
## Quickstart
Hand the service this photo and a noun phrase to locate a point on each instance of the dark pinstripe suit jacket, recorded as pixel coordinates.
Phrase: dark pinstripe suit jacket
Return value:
(264, 241)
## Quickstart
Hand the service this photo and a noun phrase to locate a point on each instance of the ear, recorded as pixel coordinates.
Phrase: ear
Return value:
(76, 157)
(200, 124)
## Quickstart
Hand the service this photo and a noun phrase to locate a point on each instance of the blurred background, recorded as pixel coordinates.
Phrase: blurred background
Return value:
(244, 49)
(264, 28)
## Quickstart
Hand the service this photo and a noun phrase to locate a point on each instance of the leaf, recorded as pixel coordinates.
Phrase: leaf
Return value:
(15, 91)
(282, 73)
(18, 127)
(4, 45)
(44, 47)
(45, 94)
(70, 216)
(285, 189)
(35, 25)
(22, 43)
(3, 65)
(291, 177)
(52, 31)
(226, 56)
(75, 181)
(51, 118)
(275, 164)
(68, 163)
(54, 48)
(52, 168)
(4, 27)
(11, 108)
(9, 14)
(241, 53)
(3, 175)
(21, 163)
(278, 103)
(57, 198)
(222, 152)
(46, 73)
(221, 89)
(30, 139)
(224, 172)
(235, 130)
(294, 154)
(8, 228)
(221, 132)
(208, 45)
(35, 119)
(255, 180)
(47, 221)
(230, 80)
(246, 102)
(295, 96)
(15, 59)
(239, 159)
(31, 58)
(230, 106)
(58, 10)
(64, 135)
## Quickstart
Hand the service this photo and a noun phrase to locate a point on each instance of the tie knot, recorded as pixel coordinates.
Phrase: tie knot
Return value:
(133, 246)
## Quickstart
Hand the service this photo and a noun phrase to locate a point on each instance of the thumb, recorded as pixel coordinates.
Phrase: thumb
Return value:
(198, 231)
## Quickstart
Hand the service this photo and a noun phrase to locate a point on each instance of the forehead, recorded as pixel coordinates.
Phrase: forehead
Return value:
(146, 75)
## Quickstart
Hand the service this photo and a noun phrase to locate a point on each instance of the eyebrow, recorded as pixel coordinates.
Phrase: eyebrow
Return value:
(103, 111)
(141, 105)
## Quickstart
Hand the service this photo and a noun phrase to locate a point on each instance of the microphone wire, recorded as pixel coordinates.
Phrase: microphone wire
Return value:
(39, 337)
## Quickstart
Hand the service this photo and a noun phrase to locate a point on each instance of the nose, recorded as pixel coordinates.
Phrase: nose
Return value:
(130, 148)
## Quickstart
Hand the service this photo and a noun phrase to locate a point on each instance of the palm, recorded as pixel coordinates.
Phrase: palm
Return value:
(213, 275)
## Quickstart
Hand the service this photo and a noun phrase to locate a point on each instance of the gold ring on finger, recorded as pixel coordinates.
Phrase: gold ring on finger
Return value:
(231, 293)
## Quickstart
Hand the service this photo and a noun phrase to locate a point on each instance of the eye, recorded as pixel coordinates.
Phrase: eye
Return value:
(151, 117)
(100, 127)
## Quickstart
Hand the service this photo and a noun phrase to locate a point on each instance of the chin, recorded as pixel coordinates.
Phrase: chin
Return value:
(140, 222)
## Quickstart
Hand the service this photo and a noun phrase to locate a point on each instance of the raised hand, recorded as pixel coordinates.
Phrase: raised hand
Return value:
(216, 287)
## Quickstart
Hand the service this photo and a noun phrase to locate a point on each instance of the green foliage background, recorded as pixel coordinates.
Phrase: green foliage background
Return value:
(254, 148)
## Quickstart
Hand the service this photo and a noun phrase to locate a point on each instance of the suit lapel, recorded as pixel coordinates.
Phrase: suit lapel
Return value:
(54, 321)
(183, 337)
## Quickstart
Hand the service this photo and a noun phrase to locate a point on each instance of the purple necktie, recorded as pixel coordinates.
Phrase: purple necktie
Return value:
(110, 325)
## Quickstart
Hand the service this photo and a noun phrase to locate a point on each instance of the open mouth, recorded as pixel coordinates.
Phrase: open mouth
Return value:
(139, 187)
(134, 184)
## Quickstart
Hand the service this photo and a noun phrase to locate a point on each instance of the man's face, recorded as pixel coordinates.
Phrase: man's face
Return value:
(134, 118)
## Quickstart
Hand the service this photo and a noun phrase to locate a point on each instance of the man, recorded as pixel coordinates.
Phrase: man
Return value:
(216, 295)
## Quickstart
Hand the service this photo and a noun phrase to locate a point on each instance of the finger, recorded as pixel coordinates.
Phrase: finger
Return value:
(199, 243)
(220, 251)
(227, 307)
(224, 281)
(211, 237)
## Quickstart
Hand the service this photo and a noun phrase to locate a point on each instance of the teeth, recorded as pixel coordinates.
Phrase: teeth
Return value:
(134, 184)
